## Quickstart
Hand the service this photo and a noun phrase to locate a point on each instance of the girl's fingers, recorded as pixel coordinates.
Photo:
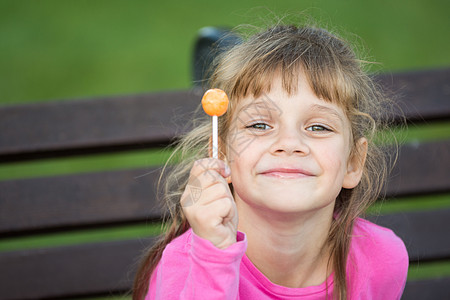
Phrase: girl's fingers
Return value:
(209, 165)
(208, 204)
(205, 173)
(197, 192)
(214, 213)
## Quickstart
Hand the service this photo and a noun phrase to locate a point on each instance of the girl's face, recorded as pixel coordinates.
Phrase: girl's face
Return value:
(290, 154)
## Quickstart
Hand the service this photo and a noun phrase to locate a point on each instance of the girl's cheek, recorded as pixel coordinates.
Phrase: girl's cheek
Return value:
(240, 143)
(329, 157)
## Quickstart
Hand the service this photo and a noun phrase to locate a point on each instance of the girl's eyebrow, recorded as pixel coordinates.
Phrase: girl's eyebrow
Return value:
(327, 110)
(260, 108)
(257, 105)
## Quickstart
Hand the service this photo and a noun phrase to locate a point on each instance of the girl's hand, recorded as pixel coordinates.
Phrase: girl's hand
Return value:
(208, 204)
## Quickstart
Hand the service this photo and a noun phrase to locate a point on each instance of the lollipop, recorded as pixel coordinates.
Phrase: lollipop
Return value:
(215, 104)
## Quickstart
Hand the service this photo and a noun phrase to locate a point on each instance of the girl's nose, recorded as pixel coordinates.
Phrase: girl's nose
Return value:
(289, 142)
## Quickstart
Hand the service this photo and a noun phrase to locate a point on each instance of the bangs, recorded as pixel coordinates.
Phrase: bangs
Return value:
(292, 53)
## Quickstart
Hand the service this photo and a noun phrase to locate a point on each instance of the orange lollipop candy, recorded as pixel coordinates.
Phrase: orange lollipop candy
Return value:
(215, 102)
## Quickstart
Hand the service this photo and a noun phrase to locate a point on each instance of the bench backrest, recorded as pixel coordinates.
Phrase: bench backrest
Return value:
(63, 204)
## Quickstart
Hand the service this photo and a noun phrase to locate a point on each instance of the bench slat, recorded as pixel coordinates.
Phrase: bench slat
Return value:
(98, 268)
(421, 169)
(78, 200)
(129, 196)
(437, 288)
(422, 232)
(421, 95)
(113, 122)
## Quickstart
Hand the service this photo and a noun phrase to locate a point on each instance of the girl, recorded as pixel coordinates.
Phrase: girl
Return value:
(277, 216)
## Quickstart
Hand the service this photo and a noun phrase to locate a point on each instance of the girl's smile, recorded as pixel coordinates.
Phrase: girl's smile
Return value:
(286, 173)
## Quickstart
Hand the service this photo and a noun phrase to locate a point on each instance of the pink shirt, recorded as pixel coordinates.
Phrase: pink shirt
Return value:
(193, 268)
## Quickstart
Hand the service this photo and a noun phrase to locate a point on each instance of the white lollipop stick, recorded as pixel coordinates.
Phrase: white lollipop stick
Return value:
(215, 144)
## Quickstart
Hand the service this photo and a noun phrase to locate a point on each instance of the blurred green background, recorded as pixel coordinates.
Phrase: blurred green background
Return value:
(51, 50)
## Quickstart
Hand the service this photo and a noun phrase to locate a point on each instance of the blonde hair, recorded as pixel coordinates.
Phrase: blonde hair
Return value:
(335, 74)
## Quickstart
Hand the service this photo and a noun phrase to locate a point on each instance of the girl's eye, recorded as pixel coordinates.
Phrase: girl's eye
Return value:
(317, 128)
(259, 126)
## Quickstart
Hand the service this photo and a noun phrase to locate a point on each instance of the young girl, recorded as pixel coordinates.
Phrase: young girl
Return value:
(277, 216)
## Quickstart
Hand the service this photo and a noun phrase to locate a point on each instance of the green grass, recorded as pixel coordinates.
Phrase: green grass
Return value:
(80, 237)
(414, 133)
(429, 270)
(116, 297)
(84, 164)
(54, 50)
(410, 204)
(425, 132)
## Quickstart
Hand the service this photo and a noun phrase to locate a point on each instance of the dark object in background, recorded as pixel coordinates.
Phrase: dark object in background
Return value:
(210, 42)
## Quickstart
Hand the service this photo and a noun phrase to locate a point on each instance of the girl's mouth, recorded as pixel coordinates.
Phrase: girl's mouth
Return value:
(286, 173)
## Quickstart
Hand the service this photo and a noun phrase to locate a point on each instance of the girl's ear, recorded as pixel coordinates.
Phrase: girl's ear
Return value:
(355, 165)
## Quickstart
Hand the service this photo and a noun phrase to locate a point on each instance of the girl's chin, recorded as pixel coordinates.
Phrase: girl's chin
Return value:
(285, 205)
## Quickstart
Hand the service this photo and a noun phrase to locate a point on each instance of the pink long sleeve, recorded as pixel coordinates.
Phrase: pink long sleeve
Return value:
(193, 268)
(378, 263)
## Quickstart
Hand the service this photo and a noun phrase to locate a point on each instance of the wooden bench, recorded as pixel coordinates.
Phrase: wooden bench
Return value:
(64, 205)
